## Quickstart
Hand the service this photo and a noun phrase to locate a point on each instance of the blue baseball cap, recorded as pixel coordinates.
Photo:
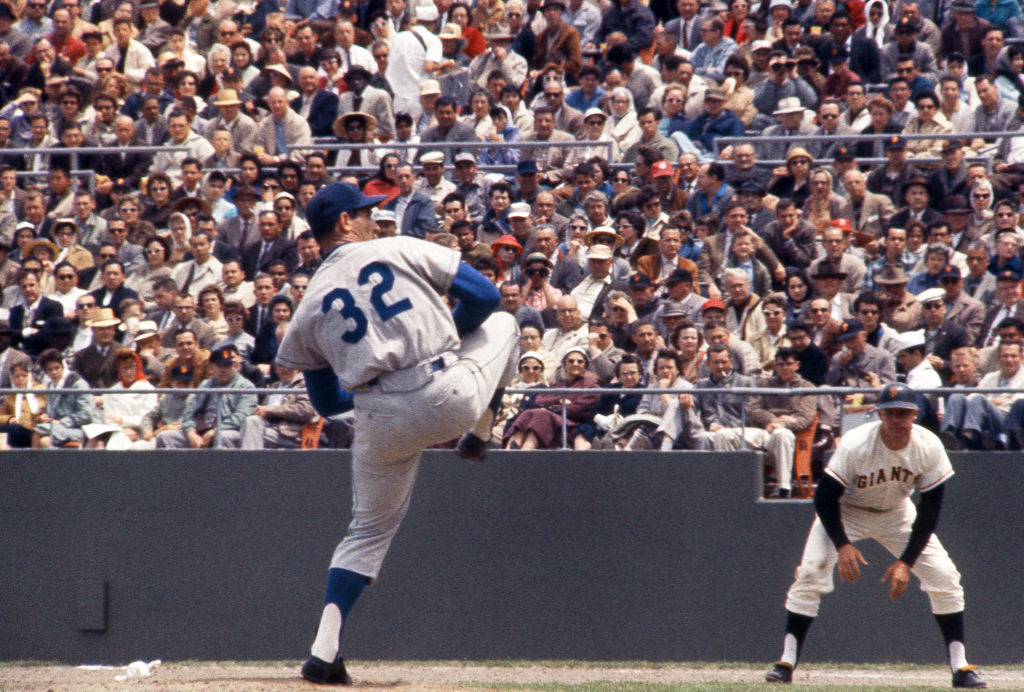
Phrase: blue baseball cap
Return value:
(897, 395)
(526, 166)
(330, 201)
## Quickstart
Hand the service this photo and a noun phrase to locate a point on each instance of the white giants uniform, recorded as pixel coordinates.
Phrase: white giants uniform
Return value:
(879, 482)
(374, 313)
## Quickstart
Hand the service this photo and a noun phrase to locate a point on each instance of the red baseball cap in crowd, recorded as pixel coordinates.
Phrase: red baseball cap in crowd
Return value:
(843, 225)
(661, 169)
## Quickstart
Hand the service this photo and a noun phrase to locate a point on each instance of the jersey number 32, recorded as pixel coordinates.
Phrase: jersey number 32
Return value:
(350, 310)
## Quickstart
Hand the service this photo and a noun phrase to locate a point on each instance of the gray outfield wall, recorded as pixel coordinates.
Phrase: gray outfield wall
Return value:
(111, 557)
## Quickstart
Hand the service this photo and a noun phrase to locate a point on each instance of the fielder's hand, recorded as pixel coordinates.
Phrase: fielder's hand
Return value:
(849, 557)
(899, 571)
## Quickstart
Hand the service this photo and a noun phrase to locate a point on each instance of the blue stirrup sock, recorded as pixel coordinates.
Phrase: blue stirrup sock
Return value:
(343, 588)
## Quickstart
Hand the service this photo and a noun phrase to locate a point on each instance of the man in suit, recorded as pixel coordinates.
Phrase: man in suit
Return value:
(687, 26)
(230, 118)
(242, 231)
(663, 264)
(1009, 305)
(113, 291)
(164, 293)
(318, 106)
(184, 309)
(950, 178)
(27, 318)
(961, 309)
(279, 425)
(864, 55)
(281, 128)
(867, 211)
(363, 98)
(95, 363)
(259, 314)
(418, 216)
(121, 162)
(151, 126)
(273, 245)
(915, 193)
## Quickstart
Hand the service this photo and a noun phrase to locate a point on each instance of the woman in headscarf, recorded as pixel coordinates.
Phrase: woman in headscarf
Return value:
(181, 232)
(1009, 69)
(622, 126)
(540, 427)
(20, 413)
(877, 27)
(982, 218)
(529, 375)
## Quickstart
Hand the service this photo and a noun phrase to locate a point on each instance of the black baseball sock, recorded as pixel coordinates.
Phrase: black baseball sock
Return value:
(793, 642)
(952, 626)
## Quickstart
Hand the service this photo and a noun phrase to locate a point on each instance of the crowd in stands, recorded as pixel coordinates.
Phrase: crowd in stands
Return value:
(167, 245)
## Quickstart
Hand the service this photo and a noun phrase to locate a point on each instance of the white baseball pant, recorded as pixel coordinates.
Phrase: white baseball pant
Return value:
(939, 577)
(394, 423)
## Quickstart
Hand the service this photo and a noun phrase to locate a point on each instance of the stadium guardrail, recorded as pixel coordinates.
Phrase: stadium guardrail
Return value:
(562, 392)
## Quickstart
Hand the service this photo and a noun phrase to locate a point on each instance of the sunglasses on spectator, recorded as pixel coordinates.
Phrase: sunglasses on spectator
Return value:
(530, 368)
(537, 272)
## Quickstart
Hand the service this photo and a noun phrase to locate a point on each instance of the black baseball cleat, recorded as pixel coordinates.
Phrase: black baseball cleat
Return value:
(323, 673)
(968, 678)
(471, 447)
(780, 672)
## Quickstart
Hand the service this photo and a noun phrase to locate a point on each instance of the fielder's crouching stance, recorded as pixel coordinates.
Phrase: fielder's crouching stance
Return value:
(865, 493)
(373, 333)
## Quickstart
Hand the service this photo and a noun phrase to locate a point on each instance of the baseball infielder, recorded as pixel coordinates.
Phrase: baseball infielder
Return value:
(374, 333)
(865, 493)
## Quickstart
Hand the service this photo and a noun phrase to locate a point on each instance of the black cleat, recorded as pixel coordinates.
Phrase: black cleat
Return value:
(780, 672)
(323, 673)
(471, 447)
(968, 678)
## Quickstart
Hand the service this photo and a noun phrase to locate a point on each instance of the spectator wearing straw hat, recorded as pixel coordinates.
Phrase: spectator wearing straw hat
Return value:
(95, 362)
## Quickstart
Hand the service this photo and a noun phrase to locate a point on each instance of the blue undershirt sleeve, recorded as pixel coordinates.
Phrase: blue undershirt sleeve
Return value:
(325, 392)
(478, 298)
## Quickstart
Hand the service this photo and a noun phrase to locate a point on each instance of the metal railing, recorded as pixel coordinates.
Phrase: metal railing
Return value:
(563, 392)
(721, 142)
(841, 392)
(423, 147)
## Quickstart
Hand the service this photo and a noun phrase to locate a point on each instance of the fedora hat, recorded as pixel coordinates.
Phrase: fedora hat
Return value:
(147, 329)
(104, 317)
(790, 104)
(42, 242)
(342, 122)
(590, 237)
(227, 97)
(828, 270)
(186, 201)
(278, 70)
(891, 275)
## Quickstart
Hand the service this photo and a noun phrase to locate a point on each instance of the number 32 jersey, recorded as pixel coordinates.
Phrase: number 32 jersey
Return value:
(374, 307)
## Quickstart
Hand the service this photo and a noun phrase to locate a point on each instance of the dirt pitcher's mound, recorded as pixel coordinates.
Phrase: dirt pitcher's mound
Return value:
(284, 677)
